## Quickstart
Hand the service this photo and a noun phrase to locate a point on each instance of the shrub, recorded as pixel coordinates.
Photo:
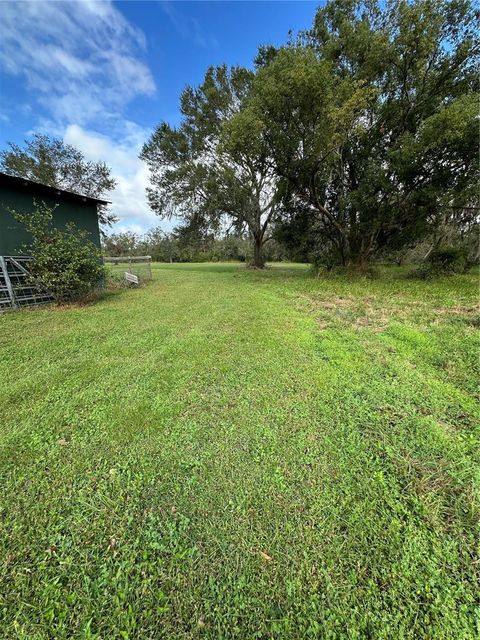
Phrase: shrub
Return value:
(443, 261)
(449, 259)
(65, 261)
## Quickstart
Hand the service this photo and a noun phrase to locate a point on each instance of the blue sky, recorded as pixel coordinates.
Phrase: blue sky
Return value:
(101, 75)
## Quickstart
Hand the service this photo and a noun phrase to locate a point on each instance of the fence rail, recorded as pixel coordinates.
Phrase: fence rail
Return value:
(129, 259)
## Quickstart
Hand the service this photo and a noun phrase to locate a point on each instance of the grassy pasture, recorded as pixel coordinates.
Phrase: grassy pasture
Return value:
(228, 453)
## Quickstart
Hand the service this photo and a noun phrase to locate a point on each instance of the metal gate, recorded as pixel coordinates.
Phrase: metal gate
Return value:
(16, 286)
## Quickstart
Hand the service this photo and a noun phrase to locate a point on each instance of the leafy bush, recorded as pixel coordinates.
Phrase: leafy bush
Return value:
(443, 261)
(65, 261)
(449, 259)
(322, 262)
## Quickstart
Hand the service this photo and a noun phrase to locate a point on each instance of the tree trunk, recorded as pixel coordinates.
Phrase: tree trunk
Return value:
(257, 261)
(361, 263)
(364, 254)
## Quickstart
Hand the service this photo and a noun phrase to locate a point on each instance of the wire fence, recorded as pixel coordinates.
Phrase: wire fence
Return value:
(119, 267)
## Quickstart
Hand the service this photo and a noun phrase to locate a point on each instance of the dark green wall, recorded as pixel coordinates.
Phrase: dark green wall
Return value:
(12, 233)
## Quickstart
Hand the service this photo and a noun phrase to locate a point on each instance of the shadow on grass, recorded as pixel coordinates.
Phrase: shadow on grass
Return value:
(98, 297)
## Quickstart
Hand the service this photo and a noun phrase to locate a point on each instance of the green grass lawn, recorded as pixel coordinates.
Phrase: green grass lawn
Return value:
(228, 453)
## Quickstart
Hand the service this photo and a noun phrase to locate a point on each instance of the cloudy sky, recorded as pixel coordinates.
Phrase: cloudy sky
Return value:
(102, 75)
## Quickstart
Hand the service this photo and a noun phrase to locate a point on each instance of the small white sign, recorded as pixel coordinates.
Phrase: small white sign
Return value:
(129, 277)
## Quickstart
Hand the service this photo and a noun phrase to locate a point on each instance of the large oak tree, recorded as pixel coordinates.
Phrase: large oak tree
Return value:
(215, 168)
(371, 121)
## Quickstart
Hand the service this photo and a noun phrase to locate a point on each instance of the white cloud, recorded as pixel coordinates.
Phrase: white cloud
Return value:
(83, 59)
(82, 62)
(132, 227)
(128, 199)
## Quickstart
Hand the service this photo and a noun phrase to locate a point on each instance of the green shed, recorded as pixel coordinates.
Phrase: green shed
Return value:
(19, 194)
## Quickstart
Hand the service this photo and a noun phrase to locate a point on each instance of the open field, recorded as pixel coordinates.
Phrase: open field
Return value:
(240, 454)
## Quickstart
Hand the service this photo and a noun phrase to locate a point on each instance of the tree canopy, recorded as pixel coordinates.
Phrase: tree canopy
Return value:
(371, 121)
(215, 168)
(53, 162)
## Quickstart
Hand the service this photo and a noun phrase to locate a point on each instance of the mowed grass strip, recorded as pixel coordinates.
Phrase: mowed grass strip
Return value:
(236, 454)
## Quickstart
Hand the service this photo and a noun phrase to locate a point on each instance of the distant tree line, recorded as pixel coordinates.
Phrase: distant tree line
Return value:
(355, 141)
(185, 244)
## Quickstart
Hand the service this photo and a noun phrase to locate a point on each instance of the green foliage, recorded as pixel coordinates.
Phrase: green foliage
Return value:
(52, 162)
(163, 247)
(365, 125)
(443, 261)
(65, 261)
(124, 243)
(449, 259)
(371, 121)
(243, 455)
(189, 244)
(214, 169)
